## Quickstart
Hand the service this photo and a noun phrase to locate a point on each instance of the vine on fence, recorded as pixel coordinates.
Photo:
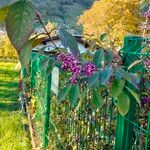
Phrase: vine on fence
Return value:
(97, 70)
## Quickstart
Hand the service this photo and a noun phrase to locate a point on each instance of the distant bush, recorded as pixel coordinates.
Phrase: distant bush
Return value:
(6, 48)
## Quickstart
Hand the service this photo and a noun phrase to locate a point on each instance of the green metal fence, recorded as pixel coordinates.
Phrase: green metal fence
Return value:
(131, 132)
(58, 127)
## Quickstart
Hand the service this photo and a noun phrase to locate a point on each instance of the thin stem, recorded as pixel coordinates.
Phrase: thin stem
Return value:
(146, 23)
(48, 34)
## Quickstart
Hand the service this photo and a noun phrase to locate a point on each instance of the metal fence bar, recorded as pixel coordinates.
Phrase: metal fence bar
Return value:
(47, 113)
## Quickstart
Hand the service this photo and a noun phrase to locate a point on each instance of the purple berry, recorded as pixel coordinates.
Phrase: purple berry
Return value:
(145, 100)
(73, 79)
(89, 69)
(69, 63)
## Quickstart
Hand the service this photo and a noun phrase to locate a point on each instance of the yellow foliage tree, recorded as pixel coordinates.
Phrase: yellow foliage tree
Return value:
(115, 17)
(51, 27)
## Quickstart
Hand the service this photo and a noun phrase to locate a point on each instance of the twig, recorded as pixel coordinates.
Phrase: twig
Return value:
(48, 34)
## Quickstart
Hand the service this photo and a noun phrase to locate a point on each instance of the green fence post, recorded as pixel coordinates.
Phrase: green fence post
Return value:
(47, 113)
(34, 70)
(125, 131)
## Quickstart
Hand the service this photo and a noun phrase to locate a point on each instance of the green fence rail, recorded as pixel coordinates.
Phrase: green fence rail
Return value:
(58, 127)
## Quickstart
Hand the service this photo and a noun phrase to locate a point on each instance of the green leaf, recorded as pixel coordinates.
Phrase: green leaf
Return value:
(103, 36)
(133, 79)
(98, 57)
(105, 75)
(94, 79)
(117, 87)
(63, 93)
(25, 54)
(74, 94)
(19, 23)
(50, 67)
(123, 103)
(44, 63)
(119, 73)
(147, 84)
(70, 42)
(108, 57)
(3, 13)
(97, 100)
(135, 95)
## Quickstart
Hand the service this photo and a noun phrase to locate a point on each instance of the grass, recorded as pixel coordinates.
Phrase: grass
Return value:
(12, 135)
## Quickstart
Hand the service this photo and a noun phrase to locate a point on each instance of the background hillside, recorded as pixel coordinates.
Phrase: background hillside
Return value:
(59, 11)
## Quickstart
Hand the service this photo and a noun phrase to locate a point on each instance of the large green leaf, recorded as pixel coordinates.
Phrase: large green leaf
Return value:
(135, 95)
(119, 73)
(25, 54)
(132, 79)
(97, 100)
(70, 42)
(117, 87)
(105, 75)
(123, 103)
(50, 67)
(44, 63)
(3, 13)
(74, 94)
(19, 23)
(108, 57)
(63, 93)
(93, 79)
(98, 57)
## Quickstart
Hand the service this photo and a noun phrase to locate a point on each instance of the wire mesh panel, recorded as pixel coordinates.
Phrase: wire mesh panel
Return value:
(83, 126)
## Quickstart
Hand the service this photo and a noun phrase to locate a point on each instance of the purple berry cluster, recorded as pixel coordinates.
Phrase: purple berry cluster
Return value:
(69, 63)
(145, 100)
(89, 68)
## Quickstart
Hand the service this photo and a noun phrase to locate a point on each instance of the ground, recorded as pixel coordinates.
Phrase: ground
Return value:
(12, 133)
